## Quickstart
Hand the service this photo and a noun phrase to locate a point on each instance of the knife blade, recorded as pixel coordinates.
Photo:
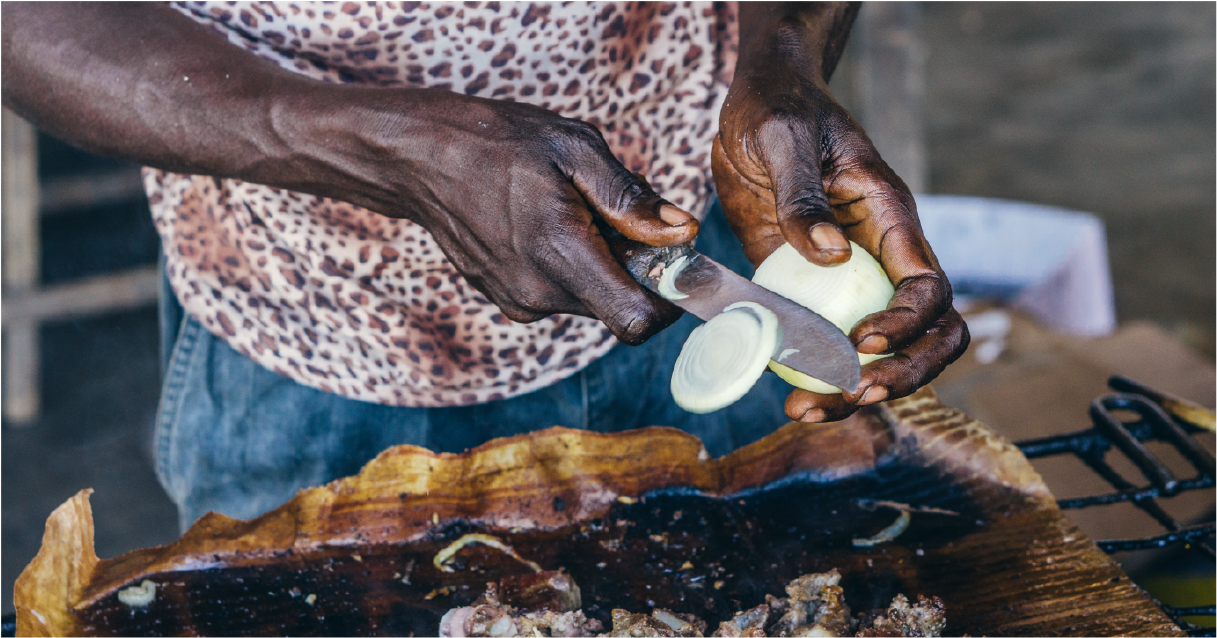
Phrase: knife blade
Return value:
(808, 342)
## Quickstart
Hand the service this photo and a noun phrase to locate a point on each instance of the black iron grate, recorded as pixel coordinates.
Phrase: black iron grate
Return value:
(1153, 422)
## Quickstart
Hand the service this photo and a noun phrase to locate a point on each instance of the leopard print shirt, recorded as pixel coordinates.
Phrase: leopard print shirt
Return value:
(341, 299)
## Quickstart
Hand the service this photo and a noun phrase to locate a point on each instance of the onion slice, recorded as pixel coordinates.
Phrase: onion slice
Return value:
(723, 358)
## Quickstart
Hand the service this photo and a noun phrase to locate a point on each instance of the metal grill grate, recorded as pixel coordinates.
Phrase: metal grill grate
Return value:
(1158, 418)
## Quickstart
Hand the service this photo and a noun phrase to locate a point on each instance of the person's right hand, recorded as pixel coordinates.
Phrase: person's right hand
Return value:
(509, 191)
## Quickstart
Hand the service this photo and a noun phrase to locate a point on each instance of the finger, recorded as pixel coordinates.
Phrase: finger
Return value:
(623, 199)
(811, 407)
(889, 378)
(580, 261)
(792, 156)
(904, 372)
(747, 206)
(881, 216)
(917, 304)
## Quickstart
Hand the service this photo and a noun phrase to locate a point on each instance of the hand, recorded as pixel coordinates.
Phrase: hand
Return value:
(791, 165)
(509, 192)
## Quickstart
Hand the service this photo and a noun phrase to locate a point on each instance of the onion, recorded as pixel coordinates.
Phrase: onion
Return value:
(441, 559)
(723, 358)
(140, 595)
(842, 294)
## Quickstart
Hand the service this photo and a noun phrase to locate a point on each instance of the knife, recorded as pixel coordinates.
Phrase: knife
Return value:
(808, 342)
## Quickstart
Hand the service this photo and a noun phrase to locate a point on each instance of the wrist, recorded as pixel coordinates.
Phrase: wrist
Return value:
(800, 38)
(337, 141)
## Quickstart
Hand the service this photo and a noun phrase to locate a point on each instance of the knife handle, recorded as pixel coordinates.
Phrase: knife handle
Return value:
(638, 258)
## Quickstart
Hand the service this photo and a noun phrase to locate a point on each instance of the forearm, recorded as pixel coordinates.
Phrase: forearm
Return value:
(804, 37)
(147, 84)
(142, 83)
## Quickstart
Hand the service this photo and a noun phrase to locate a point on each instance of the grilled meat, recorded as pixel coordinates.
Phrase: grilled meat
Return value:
(661, 622)
(541, 604)
(926, 618)
(746, 623)
(815, 606)
(546, 604)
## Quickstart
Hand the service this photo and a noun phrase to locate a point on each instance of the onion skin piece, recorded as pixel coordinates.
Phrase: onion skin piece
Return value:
(888, 533)
(843, 294)
(441, 559)
(667, 280)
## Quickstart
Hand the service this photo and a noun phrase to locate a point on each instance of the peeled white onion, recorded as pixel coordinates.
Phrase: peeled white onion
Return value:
(842, 294)
(723, 358)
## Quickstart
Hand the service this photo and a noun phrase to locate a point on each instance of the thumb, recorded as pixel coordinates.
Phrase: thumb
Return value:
(628, 203)
(793, 156)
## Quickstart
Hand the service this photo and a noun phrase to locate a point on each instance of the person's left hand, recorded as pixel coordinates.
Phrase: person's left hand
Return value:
(791, 165)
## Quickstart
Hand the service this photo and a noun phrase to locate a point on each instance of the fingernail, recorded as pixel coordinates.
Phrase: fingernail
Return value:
(814, 415)
(673, 216)
(873, 394)
(827, 238)
(874, 344)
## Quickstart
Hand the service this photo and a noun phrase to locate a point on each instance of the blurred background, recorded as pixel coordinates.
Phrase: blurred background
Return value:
(1102, 108)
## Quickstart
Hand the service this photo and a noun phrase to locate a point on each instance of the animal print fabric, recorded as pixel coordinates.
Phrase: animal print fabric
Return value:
(339, 298)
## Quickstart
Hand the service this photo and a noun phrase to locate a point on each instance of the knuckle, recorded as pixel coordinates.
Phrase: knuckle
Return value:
(531, 299)
(631, 324)
(556, 247)
(929, 294)
(963, 338)
(852, 149)
(575, 135)
(779, 122)
(517, 314)
(943, 294)
(622, 191)
(808, 202)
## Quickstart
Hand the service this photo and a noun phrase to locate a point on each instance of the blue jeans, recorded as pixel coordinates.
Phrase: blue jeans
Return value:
(234, 437)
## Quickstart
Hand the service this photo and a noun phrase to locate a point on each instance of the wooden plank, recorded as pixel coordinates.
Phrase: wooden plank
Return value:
(355, 557)
(21, 260)
(22, 372)
(106, 293)
(20, 204)
(65, 194)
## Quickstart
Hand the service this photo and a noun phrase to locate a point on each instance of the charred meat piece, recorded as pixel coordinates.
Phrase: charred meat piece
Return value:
(660, 622)
(484, 620)
(815, 606)
(567, 623)
(546, 604)
(926, 618)
(746, 623)
(541, 604)
(543, 591)
(682, 624)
